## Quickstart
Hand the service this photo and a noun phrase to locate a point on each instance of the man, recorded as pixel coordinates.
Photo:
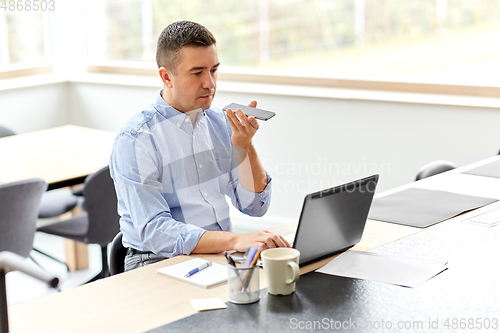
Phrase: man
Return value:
(174, 162)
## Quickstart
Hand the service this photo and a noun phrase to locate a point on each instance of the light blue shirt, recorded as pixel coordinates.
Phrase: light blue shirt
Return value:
(172, 179)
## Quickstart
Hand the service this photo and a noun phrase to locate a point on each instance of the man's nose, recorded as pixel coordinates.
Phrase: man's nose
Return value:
(209, 82)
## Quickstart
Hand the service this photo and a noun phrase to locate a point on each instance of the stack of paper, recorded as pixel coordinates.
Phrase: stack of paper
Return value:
(421, 208)
(402, 271)
(488, 219)
(491, 169)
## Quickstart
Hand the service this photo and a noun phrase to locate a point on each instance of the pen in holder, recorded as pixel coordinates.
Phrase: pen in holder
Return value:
(243, 283)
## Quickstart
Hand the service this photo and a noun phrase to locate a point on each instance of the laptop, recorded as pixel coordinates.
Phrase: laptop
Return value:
(331, 221)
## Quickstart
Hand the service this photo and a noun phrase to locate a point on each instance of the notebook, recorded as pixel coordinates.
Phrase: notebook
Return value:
(333, 220)
(213, 275)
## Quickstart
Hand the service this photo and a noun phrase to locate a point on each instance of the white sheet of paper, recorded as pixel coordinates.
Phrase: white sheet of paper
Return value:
(213, 275)
(402, 271)
(203, 304)
(490, 218)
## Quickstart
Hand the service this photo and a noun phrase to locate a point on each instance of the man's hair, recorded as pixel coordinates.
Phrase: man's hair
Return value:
(177, 35)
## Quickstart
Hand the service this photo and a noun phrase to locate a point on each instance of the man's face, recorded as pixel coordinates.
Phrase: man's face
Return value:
(193, 86)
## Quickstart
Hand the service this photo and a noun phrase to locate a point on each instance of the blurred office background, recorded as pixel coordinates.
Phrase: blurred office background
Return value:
(359, 86)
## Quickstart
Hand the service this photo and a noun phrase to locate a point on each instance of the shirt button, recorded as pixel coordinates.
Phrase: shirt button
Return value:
(205, 194)
(201, 166)
(178, 125)
(187, 119)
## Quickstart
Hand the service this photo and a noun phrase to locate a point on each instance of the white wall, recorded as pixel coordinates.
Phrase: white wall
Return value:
(105, 106)
(315, 143)
(311, 144)
(34, 108)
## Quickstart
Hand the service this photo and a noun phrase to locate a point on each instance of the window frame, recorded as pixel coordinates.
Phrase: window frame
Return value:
(14, 72)
(246, 75)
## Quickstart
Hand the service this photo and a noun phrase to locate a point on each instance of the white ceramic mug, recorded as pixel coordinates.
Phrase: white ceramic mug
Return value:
(281, 266)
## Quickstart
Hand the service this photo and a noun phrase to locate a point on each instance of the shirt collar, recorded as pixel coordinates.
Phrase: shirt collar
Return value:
(166, 110)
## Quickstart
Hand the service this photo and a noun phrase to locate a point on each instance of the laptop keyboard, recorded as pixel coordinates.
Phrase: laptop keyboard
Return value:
(238, 256)
(289, 238)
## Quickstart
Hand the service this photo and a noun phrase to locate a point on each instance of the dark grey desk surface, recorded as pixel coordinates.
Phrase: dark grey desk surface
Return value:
(464, 296)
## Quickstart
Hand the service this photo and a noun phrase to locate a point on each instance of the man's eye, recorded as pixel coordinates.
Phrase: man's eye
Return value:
(197, 73)
(214, 70)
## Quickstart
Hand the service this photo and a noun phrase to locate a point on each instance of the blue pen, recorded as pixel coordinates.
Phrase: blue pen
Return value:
(249, 256)
(197, 269)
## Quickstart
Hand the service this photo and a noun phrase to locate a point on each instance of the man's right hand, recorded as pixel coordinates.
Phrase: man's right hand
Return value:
(260, 239)
(219, 241)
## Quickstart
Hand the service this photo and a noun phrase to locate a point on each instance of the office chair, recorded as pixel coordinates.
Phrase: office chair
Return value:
(57, 202)
(10, 261)
(100, 221)
(54, 202)
(117, 255)
(4, 131)
(434, 168)
(19, 211)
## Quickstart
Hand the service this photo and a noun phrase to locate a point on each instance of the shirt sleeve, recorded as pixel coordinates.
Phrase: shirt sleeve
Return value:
(135, 167)
(248, 202)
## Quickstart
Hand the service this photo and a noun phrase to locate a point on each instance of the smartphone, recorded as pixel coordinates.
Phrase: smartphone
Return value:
(257, 113)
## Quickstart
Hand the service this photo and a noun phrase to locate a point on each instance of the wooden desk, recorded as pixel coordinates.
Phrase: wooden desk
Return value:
(62, 156)
(141, 300)
(464, 298)
(135, 301)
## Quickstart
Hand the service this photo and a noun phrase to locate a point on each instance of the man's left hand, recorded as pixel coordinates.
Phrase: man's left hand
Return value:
(244, 128)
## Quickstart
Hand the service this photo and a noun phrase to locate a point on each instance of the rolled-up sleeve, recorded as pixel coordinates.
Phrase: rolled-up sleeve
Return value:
(248, 202)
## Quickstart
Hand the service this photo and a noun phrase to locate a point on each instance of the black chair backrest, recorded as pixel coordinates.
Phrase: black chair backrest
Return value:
(101, 206)
(19, 202)
(434, 168)
(117, 255)
(4, 131)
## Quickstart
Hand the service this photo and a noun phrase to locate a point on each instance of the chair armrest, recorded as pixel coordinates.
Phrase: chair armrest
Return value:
(78, 190)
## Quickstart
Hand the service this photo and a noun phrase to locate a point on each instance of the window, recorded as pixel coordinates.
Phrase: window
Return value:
(23, 39)
(431, 40)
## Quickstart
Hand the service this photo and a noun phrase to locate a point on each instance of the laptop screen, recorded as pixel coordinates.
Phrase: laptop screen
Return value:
(333, 220)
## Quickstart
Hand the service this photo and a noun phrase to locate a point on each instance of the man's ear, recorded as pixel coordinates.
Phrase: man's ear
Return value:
(166, 76)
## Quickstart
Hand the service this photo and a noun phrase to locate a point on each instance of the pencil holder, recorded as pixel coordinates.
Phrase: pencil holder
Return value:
(243, 284)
